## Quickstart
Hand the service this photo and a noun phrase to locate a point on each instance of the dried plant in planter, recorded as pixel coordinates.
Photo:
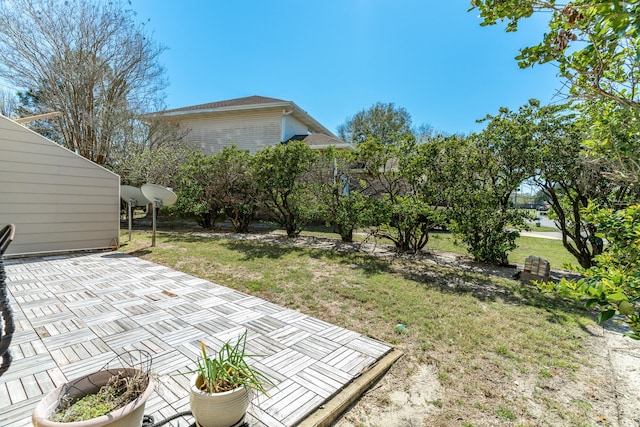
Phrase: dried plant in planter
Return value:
(115, 394)
(121, 389)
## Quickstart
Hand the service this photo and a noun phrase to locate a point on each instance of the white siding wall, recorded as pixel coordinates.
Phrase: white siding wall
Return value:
(59, 201)
(248, 130)
(294, 127)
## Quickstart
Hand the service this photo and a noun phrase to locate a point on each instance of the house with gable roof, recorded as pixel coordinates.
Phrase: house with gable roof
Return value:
(250, 123)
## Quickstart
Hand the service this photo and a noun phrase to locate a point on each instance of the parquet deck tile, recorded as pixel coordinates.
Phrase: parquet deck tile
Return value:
(151, 346)
(289, 362)
(210, 302)
(23, 336)
(264, 345)
(150, 317)
(194, 318)
(215, 325)
(288, 335)
(44, 382)
(55, 342)
(121, 339)
(302, 405)
(262, 418)
(29, 366)
(313, 325)
(171, 362)
(176, 338)
(75, 313)
(98, 314)
(317, 381)
(86, 366)
(315, 346)
(19, 413)
(244, 315)
(265, 325)
(366, 346)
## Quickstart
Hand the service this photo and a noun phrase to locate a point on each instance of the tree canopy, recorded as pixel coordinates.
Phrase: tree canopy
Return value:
(384, 122)
(594, 43)
(89, 60)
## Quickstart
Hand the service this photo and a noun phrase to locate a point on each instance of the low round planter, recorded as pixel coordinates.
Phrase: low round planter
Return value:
(224, 409)
(129, 415)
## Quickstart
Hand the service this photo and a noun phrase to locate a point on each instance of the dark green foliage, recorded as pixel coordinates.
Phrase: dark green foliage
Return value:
(221, 184)
(238, 190)
(385, 122)
(471, 180)
(281, 174)
(198, 193)
(613, 282)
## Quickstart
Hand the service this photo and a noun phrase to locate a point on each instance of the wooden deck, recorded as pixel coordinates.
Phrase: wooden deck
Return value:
(74, 313)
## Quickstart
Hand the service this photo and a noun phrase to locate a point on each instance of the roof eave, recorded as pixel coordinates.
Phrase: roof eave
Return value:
(309, 121)
(345, 146)
(221, 109)
(299, 113)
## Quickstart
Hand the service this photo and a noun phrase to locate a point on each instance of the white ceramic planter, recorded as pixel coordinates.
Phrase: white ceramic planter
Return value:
(127, 416)
(224, 409)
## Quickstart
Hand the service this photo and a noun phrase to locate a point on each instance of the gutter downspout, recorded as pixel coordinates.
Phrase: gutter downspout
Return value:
(285, 113)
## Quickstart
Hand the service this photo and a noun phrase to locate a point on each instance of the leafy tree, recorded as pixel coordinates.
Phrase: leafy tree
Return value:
(613, 132)
(570, 182)
(340, 204)
(238, 190)
(406, 220)
(397, 211)
(281, 173)
(551, 150)
(594, 43)
(138, 164)
(197, 191)
(88, 60)
(539, 198)
(386, 122)
(29, 104)
(424, 132)
(473, 178)
(613, 283)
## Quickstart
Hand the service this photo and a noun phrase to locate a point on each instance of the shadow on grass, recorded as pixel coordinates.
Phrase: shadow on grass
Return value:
(449, 279)
(277, 247)
(140, 252)
(251, 251)
(491, 289)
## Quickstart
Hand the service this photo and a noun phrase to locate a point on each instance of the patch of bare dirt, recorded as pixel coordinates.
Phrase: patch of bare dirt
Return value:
(387, 404)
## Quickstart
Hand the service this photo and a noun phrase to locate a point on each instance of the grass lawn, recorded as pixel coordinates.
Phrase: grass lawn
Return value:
(549, 249)
(543, 229)
(504, 353)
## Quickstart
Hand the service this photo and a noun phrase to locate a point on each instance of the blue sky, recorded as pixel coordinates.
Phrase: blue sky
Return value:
(334, 58)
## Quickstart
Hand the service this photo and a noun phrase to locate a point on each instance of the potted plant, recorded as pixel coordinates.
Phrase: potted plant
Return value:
(222, 385)
(112, 396)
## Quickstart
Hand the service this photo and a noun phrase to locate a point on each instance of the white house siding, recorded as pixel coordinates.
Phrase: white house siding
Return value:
(294, 127)
(248, 130)
(58, 200)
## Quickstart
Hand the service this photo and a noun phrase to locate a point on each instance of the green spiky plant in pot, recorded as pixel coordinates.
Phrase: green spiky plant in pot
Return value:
(223, 384)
